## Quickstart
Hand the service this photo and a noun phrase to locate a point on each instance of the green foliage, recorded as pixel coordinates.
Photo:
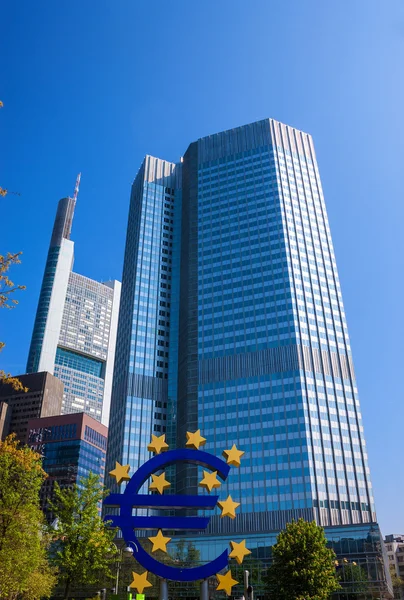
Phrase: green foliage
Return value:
(186, 555)
(398, 583)
(354, 580)
(7, 288)
(254, 566)
(24, 569)
(83, 543)
(303, 568)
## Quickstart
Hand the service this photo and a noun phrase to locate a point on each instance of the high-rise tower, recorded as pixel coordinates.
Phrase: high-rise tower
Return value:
(232, 321)
(75, 326)
(151, 279)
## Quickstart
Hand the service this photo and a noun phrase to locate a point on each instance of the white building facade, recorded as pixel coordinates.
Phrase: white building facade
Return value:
(395, 551)
(75, 326)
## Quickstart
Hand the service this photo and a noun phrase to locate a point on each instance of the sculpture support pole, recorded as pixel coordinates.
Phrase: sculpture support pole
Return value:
(163, 589)
(204, 590)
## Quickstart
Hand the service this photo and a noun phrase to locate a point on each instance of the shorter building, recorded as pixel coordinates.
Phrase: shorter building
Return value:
(43, 399)
(71, 446)
(395, 551)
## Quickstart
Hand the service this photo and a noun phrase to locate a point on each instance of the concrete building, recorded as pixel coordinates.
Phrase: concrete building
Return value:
(43, 399)
(75, 326)
(71, 446)
(232, 322)
(395, 551)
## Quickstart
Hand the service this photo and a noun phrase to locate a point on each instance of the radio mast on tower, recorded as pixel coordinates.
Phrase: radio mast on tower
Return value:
(76, 189)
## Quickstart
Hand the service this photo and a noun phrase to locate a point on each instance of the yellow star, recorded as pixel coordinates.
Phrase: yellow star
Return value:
(140, 582)
(159, 541)
(239, 551)
(159, 483)
(226, 582)
(194, 440)
(233, 456)
(121, 472)
(228, 508)
(210, 481)
(158, 444)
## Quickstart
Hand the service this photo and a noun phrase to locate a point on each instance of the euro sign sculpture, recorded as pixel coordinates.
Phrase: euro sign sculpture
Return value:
(131, 498)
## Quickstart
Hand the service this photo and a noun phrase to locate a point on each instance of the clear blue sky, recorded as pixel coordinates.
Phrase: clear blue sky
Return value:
(93, 86)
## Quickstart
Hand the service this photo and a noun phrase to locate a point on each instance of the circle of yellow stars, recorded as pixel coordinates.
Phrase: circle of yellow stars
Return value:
(209, 482)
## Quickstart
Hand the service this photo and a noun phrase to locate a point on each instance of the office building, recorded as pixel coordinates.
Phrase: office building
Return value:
(232, 322)
(395, 551)
(72, 446)
(75, 325)
(43, 399)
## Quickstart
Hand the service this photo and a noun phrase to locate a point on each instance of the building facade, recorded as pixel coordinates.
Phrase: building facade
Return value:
(43, 399)
(395, 551)
(71, 447)
(75, 326)
(142, 357)
(232, 322)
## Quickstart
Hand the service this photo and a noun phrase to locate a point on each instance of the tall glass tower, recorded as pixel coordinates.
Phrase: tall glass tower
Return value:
(140, 390)
(232, 322)
(75, 326)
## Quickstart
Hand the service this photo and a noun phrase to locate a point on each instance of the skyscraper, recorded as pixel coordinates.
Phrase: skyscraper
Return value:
(141, 382)
(75, 326)
(232, 322)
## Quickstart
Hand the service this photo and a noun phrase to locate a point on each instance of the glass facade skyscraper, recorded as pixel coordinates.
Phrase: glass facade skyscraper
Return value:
(75, 326)
(140, 388)
(232, 321)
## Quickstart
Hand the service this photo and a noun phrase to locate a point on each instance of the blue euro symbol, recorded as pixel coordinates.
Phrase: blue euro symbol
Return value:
(132, 499)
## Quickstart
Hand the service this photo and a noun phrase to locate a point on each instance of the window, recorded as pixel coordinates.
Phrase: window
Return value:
(79, 362)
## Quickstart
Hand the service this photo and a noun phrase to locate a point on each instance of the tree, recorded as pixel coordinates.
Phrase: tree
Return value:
(83, 542)
(303, 568)
(398, 583)
(186, 554)
(24, 568)
(254, 566)
(354, 580)
(7, 288)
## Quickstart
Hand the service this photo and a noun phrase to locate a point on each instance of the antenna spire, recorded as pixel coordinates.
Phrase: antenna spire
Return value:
(76, 189)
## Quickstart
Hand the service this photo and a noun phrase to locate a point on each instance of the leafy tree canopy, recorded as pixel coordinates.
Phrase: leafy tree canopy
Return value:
(83, 544)
(354, 579)
(398, 583)
(24, 569)
(303, 568)
(7, 289)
